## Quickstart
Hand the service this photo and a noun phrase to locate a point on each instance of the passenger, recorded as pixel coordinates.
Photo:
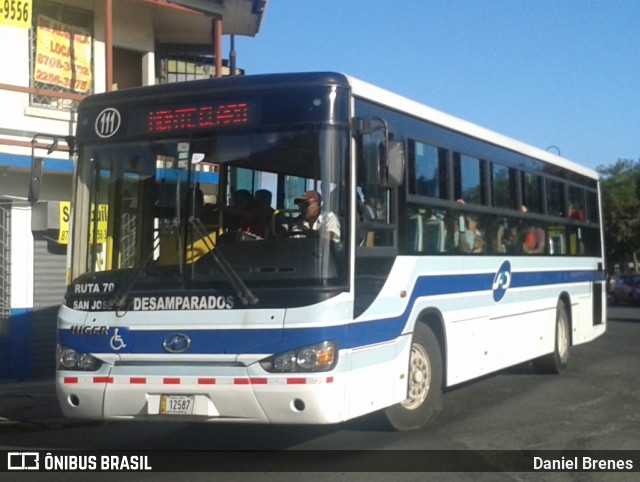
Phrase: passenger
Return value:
(501, 239)
(311, 220)
(575, 212)
(507, 240)
(241, 214)
(471, 239)
(459, 226)
(466, 235)
(264, 211)
(534, 241)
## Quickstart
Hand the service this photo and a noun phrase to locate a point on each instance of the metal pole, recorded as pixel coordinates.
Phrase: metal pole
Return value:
(109, 43)
(217, 44)
(232, 56)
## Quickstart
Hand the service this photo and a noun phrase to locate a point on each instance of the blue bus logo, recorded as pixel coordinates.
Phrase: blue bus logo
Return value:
(501, 281)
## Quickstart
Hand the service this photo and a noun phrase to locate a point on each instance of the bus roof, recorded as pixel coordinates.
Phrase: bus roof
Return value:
(193, 88)
(397, 102)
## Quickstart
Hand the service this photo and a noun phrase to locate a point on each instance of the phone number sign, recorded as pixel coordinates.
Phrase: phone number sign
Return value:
(16, 13)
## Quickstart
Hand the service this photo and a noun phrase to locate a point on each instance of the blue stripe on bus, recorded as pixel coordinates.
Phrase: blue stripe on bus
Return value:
(352, 335)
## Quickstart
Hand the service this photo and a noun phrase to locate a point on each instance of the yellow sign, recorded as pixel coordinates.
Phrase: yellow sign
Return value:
(63, 55)
(65, 213)
(101, 226)
(16, 13)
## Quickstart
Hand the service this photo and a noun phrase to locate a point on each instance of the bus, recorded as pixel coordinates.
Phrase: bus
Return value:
(440, 252)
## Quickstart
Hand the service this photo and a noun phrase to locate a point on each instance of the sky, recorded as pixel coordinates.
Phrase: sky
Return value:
(561, 73)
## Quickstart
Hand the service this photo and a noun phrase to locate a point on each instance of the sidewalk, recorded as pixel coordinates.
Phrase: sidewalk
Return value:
(30, 405)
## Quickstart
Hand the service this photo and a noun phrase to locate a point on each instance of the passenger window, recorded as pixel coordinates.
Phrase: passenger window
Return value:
(468, 177)
(532, 192)
(589, 239)
(555, 198)
(593, 213)
(557, 240)
(508, 237)
(376, 227)
(576, 203)
(426, 230)
(503, 186)
(470, 234)
(427, 170)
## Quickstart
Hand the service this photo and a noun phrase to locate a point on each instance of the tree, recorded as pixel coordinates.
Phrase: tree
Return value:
(620, 185)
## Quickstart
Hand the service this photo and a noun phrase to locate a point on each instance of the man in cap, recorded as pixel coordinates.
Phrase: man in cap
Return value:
(312, 221)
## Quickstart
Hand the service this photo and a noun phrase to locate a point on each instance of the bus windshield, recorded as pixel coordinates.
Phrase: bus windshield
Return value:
(220, 212)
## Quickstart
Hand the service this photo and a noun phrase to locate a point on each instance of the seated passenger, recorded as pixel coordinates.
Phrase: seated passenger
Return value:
(242, 215)
(507, 240)
(575, 212)
(264, 211)
(311, 220)
(534, 241)
(471, 240)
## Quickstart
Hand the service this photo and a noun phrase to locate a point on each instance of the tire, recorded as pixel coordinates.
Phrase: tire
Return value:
(557, 361)
(424, 385)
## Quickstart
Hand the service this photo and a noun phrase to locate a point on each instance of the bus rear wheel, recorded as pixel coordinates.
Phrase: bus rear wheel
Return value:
(557, 361)
(424, 384)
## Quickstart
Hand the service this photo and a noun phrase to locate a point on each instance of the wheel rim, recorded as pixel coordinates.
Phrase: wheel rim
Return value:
(563, 340)
(419, 377)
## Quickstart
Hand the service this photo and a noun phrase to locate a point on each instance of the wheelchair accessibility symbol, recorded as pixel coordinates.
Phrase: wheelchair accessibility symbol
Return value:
(116, 342)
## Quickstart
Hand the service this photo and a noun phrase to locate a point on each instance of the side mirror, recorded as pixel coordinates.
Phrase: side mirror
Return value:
(384, 157)
(394, 174)
(37, 163)
(71, 143)
(37, 167)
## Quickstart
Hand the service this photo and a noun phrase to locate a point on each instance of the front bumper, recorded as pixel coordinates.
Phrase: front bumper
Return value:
(230, 394)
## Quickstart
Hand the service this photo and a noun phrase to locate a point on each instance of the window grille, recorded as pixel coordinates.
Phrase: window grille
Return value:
(182, 62)
(46, 66)
(5, 267)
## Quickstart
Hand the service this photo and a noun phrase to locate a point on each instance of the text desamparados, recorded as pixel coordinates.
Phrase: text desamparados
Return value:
(153, 303)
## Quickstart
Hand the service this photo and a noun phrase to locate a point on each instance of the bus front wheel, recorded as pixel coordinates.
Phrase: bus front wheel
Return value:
(424, 384)
(557, 361)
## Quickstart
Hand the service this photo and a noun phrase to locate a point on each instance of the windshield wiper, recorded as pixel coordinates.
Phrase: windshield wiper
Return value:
(120, 295)
(241, 289)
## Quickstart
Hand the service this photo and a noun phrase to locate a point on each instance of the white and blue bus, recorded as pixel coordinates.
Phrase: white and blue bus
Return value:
(193, 296)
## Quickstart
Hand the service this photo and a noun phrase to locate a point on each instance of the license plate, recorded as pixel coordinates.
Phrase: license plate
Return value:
(176, 404)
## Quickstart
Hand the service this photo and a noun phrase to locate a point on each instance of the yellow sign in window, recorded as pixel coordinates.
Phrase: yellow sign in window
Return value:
(63, 55)
(101, 228)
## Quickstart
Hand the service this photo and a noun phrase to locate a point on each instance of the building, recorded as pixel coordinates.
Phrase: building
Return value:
(56, 52)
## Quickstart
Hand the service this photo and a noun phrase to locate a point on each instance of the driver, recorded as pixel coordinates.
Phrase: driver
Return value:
(312, 220)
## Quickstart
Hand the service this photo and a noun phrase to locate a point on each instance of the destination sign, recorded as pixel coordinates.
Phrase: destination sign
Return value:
(186, 118)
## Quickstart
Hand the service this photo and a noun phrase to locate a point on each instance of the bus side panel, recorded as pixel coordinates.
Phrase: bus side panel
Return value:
(486, 331)
(480, 346)
(584, 328)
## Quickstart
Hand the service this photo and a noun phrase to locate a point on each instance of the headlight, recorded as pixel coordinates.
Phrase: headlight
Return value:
(70, 359)
(314, 358)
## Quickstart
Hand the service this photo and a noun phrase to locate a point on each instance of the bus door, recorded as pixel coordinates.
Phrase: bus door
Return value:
(380, 169)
